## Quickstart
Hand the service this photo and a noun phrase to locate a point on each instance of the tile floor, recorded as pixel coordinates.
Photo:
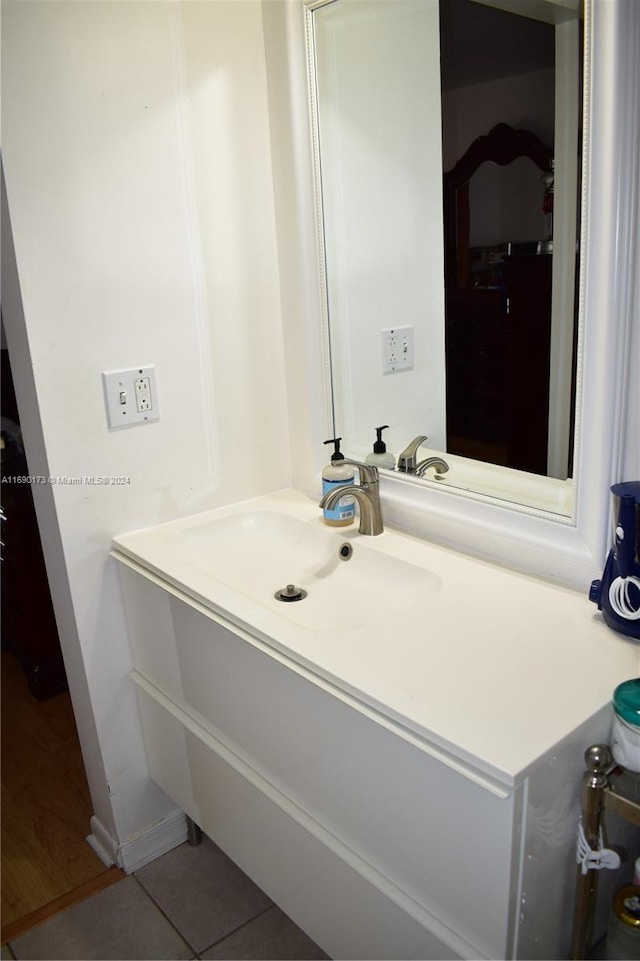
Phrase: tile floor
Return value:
(190, 903)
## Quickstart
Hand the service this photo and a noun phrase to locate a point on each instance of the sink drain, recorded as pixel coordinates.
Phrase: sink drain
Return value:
(345, 551)
(290, 593)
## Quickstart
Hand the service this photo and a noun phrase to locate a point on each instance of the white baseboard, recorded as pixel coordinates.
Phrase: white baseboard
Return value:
(156, 840)
(102, 843)
(139, 850)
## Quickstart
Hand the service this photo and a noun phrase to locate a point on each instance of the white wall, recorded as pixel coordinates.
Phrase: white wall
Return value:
(137, 161)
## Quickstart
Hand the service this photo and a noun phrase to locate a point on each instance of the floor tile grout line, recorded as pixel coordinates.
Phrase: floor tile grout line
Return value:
(164, 914)
(183, 936)
(218, 940)
(244, 924)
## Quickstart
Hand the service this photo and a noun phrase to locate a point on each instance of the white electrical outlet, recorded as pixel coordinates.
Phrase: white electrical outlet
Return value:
(143, 394)
(131, 396)
(396, 349)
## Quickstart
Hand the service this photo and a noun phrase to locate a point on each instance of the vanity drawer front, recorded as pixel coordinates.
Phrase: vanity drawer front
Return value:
(341, 908)
(414, 819)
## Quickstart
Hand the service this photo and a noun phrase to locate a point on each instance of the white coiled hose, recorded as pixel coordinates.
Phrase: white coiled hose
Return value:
(620, 598)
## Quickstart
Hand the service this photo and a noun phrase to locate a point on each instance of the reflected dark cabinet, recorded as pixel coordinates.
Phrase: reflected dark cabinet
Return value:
(497, 322)
(529, 288)
(497, 348)
(476, 334)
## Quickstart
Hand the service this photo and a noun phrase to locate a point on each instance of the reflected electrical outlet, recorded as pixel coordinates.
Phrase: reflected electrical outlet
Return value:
(397, 349)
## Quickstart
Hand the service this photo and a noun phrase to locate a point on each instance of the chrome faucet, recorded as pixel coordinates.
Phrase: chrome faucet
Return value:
(440, 465)
(367, 494)
(407, 460)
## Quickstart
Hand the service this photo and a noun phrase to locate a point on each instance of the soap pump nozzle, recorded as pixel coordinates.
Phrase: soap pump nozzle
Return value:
(379, 446)
(379, 456)
(337, 453)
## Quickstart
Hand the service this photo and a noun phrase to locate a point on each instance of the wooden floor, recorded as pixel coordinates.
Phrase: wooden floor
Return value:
(46, 808)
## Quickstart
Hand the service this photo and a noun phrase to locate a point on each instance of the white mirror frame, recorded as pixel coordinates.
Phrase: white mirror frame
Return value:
(569, 551)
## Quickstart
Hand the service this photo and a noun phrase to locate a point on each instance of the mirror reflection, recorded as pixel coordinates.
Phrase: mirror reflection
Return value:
(458, 325)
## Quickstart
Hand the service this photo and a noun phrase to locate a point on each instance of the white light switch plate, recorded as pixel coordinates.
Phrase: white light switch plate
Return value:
(131, 396)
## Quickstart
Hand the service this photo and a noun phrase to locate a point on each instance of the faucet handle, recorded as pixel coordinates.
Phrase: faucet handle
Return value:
(407, 459)
(368, 472)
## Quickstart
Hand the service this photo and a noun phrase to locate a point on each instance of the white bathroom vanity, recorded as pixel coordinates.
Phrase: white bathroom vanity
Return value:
(395, 759)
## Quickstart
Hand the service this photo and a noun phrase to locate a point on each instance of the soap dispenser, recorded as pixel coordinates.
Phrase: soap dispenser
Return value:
(379, 456)
(338, 474)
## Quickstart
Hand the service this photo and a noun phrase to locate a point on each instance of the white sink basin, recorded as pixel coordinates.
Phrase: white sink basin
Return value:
(260, 552)
(384, 628)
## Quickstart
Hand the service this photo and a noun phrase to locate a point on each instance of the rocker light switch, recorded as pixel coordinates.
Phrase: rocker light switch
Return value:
(131, 396)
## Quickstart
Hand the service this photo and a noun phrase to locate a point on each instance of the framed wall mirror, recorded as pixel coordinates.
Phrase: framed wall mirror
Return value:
(402, 93)
(496, 512)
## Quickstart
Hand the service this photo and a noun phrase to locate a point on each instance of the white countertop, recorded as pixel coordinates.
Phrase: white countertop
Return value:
(494, 668)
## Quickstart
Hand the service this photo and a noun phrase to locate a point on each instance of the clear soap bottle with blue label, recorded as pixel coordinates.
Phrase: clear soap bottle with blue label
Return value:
(338, 474)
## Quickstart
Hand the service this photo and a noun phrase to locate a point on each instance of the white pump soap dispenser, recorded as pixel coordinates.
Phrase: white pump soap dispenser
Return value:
(338, 474)
(379, 456)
